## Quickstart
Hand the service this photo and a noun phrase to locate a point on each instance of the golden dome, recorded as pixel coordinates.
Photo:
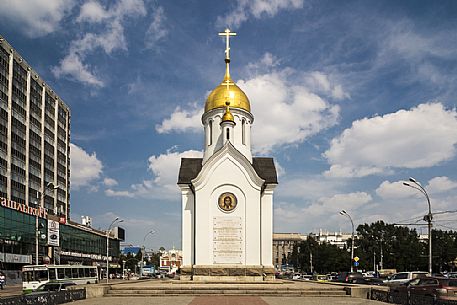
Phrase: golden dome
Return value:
(228, 116)
(227, 91)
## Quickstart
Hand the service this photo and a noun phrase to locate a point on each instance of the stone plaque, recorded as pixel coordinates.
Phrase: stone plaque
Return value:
(227, 240)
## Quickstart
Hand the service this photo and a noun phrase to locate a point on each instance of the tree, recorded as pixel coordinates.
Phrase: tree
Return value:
(325, 257)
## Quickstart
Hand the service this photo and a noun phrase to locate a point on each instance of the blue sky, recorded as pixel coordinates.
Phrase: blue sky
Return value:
(350, 98)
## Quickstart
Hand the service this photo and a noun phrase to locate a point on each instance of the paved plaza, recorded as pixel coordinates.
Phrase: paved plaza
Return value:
(226, 300)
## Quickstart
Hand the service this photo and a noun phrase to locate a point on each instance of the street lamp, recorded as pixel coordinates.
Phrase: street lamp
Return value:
(41, 195)
(344, 213)
(142, 251)
(428, 218)
(123, 269)
(117, 220)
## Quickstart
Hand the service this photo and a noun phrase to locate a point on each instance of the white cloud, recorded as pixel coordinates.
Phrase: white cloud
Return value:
(323, 213)
(92, 12)
(85, 168)
(423, 136)
(110, 182)
(321, 82)
(35, 17)
(181, 120)
(164, 169)
(441, 184)
(112, 193)
(246, 9)
(156, 30)
(72, 66)
(110, 38)
(286, 111)
(394, 190)
(307, 187)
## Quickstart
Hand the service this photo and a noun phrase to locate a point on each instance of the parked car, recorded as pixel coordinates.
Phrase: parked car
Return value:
(320, 278)
(418, 290)
(349, 277)
(307, 277)
(452, 275)
(296, 276)
(403, 277)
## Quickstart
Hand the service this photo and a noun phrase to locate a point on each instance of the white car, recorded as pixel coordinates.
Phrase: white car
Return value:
(296, 276)
(403, 277)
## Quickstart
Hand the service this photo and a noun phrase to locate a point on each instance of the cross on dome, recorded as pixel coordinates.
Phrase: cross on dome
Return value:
(227, 33)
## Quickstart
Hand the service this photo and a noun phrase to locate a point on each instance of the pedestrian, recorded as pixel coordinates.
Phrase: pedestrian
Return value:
(2, 280)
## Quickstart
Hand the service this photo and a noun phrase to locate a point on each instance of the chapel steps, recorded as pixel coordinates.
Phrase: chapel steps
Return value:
(239, 290)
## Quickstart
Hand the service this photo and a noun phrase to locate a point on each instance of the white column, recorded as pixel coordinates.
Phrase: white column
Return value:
(27, 133)
(188, 210)
(267, 226)
(56, 154)
(10, 125)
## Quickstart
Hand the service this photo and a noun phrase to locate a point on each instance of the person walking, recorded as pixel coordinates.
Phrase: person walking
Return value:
(2, 280)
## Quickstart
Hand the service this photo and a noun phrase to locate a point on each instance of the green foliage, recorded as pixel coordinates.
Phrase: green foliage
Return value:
(325, 257)
(400, 247)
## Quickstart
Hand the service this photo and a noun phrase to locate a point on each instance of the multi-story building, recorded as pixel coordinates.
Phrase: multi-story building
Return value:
(283, 245)
(35, 175)
(338, 239)
(34, 137)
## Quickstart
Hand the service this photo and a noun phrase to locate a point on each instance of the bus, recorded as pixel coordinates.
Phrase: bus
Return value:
(37, 275)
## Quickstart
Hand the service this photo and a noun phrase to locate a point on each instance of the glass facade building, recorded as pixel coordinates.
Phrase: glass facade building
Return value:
(35, 172)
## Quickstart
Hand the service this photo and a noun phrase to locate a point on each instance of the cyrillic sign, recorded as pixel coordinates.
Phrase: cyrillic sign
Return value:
(21, 207)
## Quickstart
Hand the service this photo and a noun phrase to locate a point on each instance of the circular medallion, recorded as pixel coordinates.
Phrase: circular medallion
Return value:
(227, 202)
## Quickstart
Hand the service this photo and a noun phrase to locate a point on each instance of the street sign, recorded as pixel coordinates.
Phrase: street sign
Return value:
(356, 264)
(356, 259)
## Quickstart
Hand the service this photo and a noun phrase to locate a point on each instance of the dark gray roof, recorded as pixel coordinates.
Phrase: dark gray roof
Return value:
(190, 167)
(264, 167)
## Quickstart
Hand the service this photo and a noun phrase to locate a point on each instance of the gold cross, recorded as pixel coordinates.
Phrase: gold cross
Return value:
(227, 34)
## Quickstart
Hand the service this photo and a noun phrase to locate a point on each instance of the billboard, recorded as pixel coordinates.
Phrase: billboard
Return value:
(53, 233)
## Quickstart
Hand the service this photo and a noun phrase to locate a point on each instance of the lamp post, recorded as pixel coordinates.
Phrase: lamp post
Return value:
(344, 213)
(428, 218)
(123, 269)
(142, 251)
(41, 196)
(116, 220)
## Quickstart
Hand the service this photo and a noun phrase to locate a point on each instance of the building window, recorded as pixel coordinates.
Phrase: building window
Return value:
(228, 134)
(210, 140)
(243, 131)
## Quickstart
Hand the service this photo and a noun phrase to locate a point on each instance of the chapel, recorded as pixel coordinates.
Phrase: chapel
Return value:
(227, 196)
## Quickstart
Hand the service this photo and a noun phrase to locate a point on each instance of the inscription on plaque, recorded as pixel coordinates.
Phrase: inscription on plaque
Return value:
(227, 240)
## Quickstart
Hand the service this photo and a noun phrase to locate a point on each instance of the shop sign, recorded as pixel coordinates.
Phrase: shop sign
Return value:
(15, 258)
(21, 207)
(53, 233)
(84, 255)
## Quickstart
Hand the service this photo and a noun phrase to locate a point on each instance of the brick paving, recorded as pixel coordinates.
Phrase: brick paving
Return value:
(227, 300)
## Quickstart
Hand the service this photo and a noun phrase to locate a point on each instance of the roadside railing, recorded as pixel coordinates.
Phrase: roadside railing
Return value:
(50, 298)
(405, 299)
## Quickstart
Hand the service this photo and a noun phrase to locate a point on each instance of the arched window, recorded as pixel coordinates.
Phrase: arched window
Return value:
(228, 134)
(243, 131)
(210, 140)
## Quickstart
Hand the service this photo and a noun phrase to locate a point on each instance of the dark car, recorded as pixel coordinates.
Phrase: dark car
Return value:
(418, 290)
(350, 277)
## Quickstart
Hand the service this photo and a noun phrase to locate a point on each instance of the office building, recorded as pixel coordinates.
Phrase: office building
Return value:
(35, 176)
